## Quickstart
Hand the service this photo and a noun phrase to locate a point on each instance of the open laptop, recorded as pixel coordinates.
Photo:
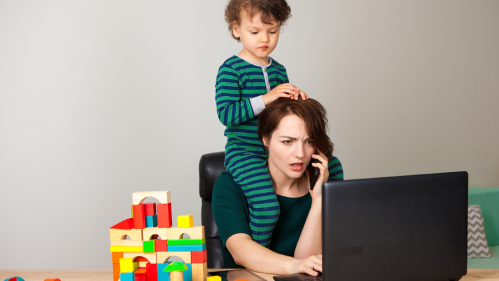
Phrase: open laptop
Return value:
(394, 228)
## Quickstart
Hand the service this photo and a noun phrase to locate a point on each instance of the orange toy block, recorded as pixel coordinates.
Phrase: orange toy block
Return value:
(117, 256)
(116, 271)
(199, 256)
(126, 224)
(164, 212)
(139, 218)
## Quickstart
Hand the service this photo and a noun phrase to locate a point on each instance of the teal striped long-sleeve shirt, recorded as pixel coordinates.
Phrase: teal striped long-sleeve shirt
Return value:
(239, 87)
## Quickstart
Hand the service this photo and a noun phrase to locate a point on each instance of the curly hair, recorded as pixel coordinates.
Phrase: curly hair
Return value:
(270, 10)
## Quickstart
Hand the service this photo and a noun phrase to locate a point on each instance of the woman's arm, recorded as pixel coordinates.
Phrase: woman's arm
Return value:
(310, 242)
(255, 257)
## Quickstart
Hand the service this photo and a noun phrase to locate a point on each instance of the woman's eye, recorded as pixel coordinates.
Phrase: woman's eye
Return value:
(286, 142)
(310, 142)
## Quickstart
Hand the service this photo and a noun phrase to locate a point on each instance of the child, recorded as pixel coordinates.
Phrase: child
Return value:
(246, 82)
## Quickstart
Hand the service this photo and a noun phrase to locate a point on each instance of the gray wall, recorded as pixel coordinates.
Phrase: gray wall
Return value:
(99, 99)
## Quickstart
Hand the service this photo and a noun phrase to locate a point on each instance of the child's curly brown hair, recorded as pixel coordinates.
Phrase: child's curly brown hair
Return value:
(270, 10)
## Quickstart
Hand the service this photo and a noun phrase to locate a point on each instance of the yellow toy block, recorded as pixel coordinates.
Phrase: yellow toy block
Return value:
(213, 278)
(127, 249)
(185, 221)
(128, 265)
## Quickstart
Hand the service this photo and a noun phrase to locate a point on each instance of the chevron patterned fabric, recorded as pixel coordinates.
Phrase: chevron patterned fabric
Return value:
(477, 241)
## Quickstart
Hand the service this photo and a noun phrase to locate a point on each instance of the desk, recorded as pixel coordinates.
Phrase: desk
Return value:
(107, 274)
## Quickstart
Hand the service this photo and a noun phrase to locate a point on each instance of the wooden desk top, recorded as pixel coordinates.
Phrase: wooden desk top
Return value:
(107, 274)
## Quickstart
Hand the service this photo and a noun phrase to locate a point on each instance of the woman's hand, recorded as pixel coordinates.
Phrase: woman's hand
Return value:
(311, 265)
(316, 193)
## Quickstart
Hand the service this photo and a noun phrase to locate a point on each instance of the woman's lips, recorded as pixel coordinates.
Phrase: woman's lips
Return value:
(296, 167)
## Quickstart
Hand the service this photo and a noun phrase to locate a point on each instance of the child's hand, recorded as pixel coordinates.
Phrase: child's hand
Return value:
(285, 90)
(301, 93)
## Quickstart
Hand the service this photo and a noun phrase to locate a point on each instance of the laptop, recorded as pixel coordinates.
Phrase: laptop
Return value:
(394, 228)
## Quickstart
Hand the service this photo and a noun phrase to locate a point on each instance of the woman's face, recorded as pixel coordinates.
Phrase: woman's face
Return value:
(290, 148)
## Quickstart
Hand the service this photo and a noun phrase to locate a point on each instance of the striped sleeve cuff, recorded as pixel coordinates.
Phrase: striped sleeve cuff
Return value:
(257, 104)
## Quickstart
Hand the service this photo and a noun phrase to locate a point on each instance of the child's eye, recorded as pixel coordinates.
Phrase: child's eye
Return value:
(272, 32)
(254, 32)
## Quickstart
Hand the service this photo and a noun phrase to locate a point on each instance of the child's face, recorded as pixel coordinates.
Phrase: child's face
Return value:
(258, 39)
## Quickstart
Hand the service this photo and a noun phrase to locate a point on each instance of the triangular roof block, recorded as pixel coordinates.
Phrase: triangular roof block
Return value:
(126, 224)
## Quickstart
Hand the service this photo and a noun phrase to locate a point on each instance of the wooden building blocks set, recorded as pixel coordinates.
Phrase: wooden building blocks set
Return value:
(142, 245)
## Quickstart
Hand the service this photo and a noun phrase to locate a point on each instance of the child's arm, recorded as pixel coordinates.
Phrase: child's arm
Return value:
(231, 109)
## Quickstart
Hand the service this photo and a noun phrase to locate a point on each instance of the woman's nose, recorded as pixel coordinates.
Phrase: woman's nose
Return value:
(300, 151)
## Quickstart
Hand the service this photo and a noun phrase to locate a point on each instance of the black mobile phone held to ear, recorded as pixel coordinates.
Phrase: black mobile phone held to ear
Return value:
(313, 173)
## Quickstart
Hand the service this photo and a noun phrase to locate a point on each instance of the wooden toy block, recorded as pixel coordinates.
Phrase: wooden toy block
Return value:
(151, 221)
(196, 232)
(164, 212)
(150, 209)
(124, 249)
(139, 218)
(149, 246)
(199, 271)
(185, 221)
(128, 265)
(152, 272)
(128, 276)
(117, 256)
(163, 256)
(185, 248)
(199, 256)
(162, 196)
(213, 278)
(148, 232)
(127, 243)
(161, 245)
(143, 263)
(187, 241)
(162, 274)
(126, 224)
(188, 272)
(116, 271)
(151, 257)
(120, 234)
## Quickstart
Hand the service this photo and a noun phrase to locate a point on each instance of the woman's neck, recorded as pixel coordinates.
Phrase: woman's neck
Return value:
(286, 186)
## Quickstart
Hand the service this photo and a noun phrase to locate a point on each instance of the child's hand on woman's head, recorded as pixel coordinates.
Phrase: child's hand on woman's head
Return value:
(316, 193)
(298, 93)
(285, 90)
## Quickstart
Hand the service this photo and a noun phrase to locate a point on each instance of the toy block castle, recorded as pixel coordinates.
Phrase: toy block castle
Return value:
(141, 246)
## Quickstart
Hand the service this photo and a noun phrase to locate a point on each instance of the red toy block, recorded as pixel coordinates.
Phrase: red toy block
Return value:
(161, 245)
(139, 259)
(164, 212)
(199, 256)
(117, 256)
(140, 276)
(152, 272)
(139, 218)
(150, 209)
(53, 279)
(116, 271)
(126, 224)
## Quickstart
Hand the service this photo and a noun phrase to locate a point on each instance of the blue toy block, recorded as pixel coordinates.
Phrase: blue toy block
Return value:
(188, 273)
(152, 221)
(129, 276)
(186, 248)
(163, 276)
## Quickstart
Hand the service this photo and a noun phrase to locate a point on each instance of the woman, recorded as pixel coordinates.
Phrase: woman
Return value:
(292, 131)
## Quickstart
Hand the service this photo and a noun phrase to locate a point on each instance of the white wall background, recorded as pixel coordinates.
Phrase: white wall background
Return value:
(99, 99)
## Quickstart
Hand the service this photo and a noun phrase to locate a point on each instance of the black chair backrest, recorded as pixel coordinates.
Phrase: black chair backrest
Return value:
(210, 167)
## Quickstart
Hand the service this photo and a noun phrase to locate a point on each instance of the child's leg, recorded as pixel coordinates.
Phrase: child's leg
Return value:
(250, 172)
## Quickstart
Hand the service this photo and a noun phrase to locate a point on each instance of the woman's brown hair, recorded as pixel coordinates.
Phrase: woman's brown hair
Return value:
(310, 111)
(270, 10)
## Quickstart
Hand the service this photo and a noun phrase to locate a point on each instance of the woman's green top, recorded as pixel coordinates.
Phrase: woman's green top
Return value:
(231, 213)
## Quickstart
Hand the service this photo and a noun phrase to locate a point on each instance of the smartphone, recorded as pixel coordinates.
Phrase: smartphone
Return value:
(313, 172)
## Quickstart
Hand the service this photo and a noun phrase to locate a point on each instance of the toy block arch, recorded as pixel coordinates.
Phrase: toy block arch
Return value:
(149, 232)
(162, 257)
(162, 196)
(176, 233)
(151, 257)
(120, 234)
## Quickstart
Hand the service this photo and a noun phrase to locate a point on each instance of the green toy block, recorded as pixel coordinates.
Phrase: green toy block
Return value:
(149, 246)
(187, 242)
(131, 207)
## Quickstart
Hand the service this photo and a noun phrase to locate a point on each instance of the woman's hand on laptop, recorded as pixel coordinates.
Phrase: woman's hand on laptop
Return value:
(311, 265)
